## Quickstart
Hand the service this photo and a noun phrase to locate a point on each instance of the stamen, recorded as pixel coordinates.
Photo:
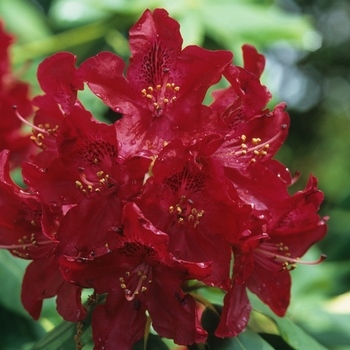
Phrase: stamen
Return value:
(287, 261)
(42, 131)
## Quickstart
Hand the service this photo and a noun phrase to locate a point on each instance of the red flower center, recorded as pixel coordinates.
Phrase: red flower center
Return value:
(185, 211)
(160, 97)
(136, 281)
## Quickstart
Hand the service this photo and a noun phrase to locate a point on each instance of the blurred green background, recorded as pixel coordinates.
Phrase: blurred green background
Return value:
(307, 46)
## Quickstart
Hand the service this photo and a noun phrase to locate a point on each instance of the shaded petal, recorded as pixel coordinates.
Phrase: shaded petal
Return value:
(41, 280)
(178, 320)
(272, 287)
(69, 304)
(235, 313)
(57, 77)
(118, 322)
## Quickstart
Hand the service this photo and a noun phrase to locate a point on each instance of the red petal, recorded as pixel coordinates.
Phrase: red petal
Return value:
(235, 313)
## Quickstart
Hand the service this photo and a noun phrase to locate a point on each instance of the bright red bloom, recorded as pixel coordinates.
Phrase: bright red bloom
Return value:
(139, 274)
(266, 254)
(161, 96)
(189, 198)
(12, 92)
(28, 230)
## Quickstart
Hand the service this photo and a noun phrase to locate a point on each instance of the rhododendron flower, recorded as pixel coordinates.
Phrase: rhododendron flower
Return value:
(173, 197)
(265, 256)
(12, 92)
(189, 198)
(139, 274)
(161, 96)
(28, 230)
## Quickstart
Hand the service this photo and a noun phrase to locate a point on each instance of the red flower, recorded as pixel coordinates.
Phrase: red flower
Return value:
(161, 96)
(190, 199)
(139, 274)
(265, 256)
(28, 230)
(12, 92)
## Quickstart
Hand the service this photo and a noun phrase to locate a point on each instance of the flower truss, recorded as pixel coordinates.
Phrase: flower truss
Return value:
(172, 192)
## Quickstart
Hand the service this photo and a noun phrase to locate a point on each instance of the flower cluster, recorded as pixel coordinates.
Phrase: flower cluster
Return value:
(172, 191)
(12, 91)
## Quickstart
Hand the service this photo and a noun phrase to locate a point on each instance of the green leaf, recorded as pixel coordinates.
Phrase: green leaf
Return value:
(11, 275)
(289, 331)
(153, 342)
(246, 340)
(17, 330)
(24, 19)
(62, 336)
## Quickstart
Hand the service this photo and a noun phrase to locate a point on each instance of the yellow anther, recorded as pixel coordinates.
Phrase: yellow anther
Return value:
(172, 85)
(33, 222)
(121, 279)
(150, 89)
(97, 190)
(90, 188)
(263, 153)
(256, 140)
(243, 138)
(256, 152)
(171, 209)
(178, 210)
(244, 151)
(123, 286)
(158, 87)
(165, 100)
(173, 98)
(149, 96)
(99, 173)
(144, 92)
(177, 88)
(190, 217)
(139, 273)
(243, 145)
(168, 85)
(79, 184)
(266, 146)
(253, 160)
(194, 211)
(144, 277)
(95, 161)
(127, 273)
(180, 220)
(143, 289)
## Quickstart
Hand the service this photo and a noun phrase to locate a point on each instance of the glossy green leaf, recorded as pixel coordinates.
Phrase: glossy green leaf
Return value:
(11, 275)
(62, 336)
(17, 330)
(246, 340)
(153, 342)
(289, 331)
